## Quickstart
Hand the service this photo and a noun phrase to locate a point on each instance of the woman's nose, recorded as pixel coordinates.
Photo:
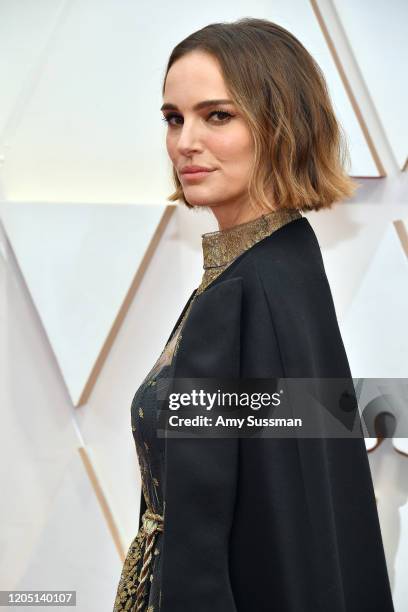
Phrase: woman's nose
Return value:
(189, 137)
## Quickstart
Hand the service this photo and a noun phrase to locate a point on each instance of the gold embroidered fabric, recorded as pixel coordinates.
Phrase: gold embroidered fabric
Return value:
(139, 588)
(222, 247)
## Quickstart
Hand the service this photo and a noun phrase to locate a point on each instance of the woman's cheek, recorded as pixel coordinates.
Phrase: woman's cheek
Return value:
(171, 147)
(225, 145)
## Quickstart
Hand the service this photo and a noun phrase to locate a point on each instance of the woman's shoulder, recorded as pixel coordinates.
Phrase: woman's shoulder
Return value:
(290, 256)
(288, 260)
(292, 252)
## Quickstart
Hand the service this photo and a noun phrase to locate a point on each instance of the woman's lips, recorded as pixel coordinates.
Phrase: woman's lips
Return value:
(194, 176)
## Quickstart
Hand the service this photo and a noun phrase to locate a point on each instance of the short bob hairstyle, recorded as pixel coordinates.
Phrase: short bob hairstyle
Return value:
(300, 148)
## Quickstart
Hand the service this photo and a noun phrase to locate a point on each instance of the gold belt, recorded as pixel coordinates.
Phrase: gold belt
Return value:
(152, 524)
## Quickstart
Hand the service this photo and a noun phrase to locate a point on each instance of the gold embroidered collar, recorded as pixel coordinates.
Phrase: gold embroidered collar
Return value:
(220, 248)
(219, 251)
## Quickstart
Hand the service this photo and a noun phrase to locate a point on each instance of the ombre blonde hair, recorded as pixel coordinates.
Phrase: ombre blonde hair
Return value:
(300, 147)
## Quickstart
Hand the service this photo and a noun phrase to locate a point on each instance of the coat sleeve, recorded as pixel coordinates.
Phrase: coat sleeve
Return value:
(201, 473)
(339, 526)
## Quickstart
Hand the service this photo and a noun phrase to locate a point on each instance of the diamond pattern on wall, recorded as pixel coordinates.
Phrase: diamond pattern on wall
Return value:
(82, 265)
(374, 327)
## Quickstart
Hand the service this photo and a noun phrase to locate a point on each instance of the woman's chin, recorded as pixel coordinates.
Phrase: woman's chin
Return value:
(199, 197)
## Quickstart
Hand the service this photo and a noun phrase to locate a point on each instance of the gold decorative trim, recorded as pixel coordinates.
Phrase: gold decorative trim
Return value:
(220, 248)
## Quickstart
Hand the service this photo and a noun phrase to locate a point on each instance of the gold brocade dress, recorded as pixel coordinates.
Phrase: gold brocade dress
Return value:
(139, 588)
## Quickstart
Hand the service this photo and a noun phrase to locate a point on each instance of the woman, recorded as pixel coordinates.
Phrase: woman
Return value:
(253, 524)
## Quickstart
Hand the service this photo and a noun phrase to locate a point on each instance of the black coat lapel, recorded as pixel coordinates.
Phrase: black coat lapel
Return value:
(210, 343)
(181, 315)
(201, 474)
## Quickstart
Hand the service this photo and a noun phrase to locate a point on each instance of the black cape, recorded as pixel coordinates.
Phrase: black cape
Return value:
(265, 525)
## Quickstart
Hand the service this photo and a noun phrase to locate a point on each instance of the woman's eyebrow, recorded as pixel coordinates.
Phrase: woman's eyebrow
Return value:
(198, 106)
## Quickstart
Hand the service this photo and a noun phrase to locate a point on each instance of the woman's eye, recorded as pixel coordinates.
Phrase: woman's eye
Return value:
(169, 117)
(224, 117)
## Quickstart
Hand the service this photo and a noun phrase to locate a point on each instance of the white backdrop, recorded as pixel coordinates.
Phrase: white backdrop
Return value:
(84, 177)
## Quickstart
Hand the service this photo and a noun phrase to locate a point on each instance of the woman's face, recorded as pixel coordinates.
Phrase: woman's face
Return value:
(212, 135)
